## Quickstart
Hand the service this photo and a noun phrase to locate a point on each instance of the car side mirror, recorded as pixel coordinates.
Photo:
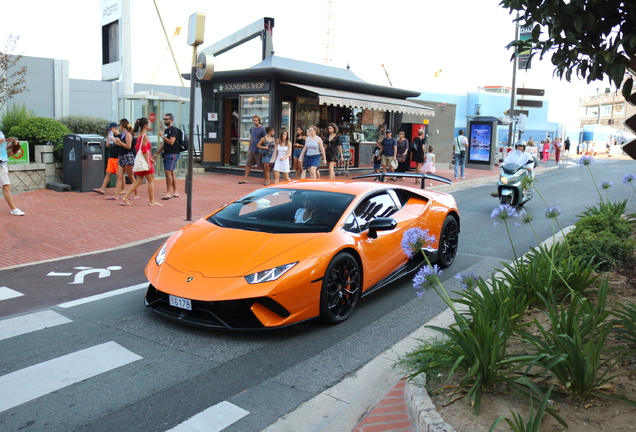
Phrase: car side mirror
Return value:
(381, 224)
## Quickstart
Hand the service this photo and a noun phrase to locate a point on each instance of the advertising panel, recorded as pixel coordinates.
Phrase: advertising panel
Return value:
(480, 140)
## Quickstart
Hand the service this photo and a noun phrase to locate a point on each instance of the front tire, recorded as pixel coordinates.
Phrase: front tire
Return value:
(505, 199)
(340, 289)
(448, 242)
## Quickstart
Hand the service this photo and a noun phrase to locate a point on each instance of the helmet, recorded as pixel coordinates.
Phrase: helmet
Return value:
(521, 143)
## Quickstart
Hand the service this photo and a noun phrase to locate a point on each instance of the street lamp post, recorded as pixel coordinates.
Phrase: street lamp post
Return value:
(195, 38)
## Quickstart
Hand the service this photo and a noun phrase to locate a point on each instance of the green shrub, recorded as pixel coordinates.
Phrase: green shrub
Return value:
(549, 270)
(604, 238)
(625, 322)
(605, 207)
(14, 116)
(572, 349)
(474, 346)
(83, 124)
(38, 131)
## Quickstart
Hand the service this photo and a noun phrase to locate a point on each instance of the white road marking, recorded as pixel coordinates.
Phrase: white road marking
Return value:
(38, 380)
(30, 323)
(102, 296)
(58, 274)
(214, 419)
(7, 293)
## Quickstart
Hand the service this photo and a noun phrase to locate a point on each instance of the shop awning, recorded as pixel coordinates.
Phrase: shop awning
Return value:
(366, 101)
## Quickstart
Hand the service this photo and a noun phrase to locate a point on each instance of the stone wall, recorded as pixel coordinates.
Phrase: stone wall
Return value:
(28, 177)
(33, 176)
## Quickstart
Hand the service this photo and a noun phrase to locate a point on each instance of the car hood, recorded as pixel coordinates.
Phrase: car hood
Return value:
(224, 252)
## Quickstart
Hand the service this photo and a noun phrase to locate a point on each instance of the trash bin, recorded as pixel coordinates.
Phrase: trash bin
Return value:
(83, 161)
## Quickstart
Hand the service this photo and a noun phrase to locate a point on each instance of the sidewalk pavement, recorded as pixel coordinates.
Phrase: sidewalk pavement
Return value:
(63, 224)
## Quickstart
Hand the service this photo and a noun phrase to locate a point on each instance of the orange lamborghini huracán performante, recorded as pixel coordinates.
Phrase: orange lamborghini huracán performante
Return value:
(295, 251)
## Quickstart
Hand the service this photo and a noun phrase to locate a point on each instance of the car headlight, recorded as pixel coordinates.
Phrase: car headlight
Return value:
(270, 274)
(160, 258)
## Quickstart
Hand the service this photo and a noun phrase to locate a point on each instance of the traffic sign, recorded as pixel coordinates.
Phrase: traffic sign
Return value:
(152, 117)
(515, 113)
(530, 92)
(529, 103)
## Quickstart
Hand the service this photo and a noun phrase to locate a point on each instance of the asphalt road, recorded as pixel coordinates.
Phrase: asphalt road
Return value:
(110, 364)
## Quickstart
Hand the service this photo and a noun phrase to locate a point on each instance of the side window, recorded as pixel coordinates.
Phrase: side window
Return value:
(381, 205)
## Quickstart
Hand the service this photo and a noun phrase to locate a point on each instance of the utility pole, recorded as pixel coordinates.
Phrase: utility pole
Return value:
(514, 83)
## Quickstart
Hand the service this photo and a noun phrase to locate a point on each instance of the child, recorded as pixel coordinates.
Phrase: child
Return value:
(429, 164)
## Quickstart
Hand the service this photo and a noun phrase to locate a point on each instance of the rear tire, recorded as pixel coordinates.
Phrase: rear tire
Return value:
(448, 242)
(340, 289)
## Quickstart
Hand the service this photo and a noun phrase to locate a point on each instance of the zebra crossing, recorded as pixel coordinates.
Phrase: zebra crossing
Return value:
(48, 377)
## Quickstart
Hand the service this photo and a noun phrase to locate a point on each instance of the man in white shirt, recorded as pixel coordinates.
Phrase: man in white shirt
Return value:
(520, 157)
(6, 150)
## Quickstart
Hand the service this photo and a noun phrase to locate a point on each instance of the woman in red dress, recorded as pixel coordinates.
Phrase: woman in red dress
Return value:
(142, 126)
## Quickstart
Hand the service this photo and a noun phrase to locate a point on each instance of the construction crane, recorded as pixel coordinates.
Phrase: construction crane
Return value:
(154, 75)
(328, 31)
(387, 75)
(174, 59)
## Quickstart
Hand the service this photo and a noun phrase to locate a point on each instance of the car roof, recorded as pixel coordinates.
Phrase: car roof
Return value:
(340, 186)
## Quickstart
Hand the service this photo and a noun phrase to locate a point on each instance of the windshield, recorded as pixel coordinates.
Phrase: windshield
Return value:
(284, 211)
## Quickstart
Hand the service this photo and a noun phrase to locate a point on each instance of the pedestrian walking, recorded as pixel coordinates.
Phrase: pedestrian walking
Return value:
(266, 148)
(113, 157)
(418, 149)
(546, 150)
(333, 149)
(169, 150)
(125, 141)
(429, 166)
(389, 152)
(312, 152)
(8, 147)
(402, 152)
(142, 126)
(253, 156)
(459, 149)
(281, 157)
(557, 145)
(299, 143)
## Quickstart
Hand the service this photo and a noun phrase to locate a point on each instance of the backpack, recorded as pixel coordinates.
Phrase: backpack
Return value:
(182, 141)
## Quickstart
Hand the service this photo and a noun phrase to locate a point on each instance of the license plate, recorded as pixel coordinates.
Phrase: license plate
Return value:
(179, 302)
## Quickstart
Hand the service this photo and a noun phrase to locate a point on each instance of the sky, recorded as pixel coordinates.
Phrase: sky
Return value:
(463, 40)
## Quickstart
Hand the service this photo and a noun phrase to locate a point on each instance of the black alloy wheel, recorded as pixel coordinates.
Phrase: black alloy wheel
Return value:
(340, 289)
(448, 242)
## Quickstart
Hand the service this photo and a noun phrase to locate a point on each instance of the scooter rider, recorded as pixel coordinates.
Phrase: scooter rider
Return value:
(520, 157)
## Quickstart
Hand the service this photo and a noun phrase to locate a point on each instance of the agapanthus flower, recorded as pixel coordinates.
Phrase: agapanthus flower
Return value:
(629, 178)
(426, 278)
(552, 212)
(503, 212)
(586, 160)
(526, 218)
(468, 281)
(606, 185)
(414, 240)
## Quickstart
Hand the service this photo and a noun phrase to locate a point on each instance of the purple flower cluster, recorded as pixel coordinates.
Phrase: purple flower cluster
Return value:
(606, 185)
(426, 278)
(629, 178)
(468, 281)
(503, 212)
(552, 212)
(414, 240)
(586, 161)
